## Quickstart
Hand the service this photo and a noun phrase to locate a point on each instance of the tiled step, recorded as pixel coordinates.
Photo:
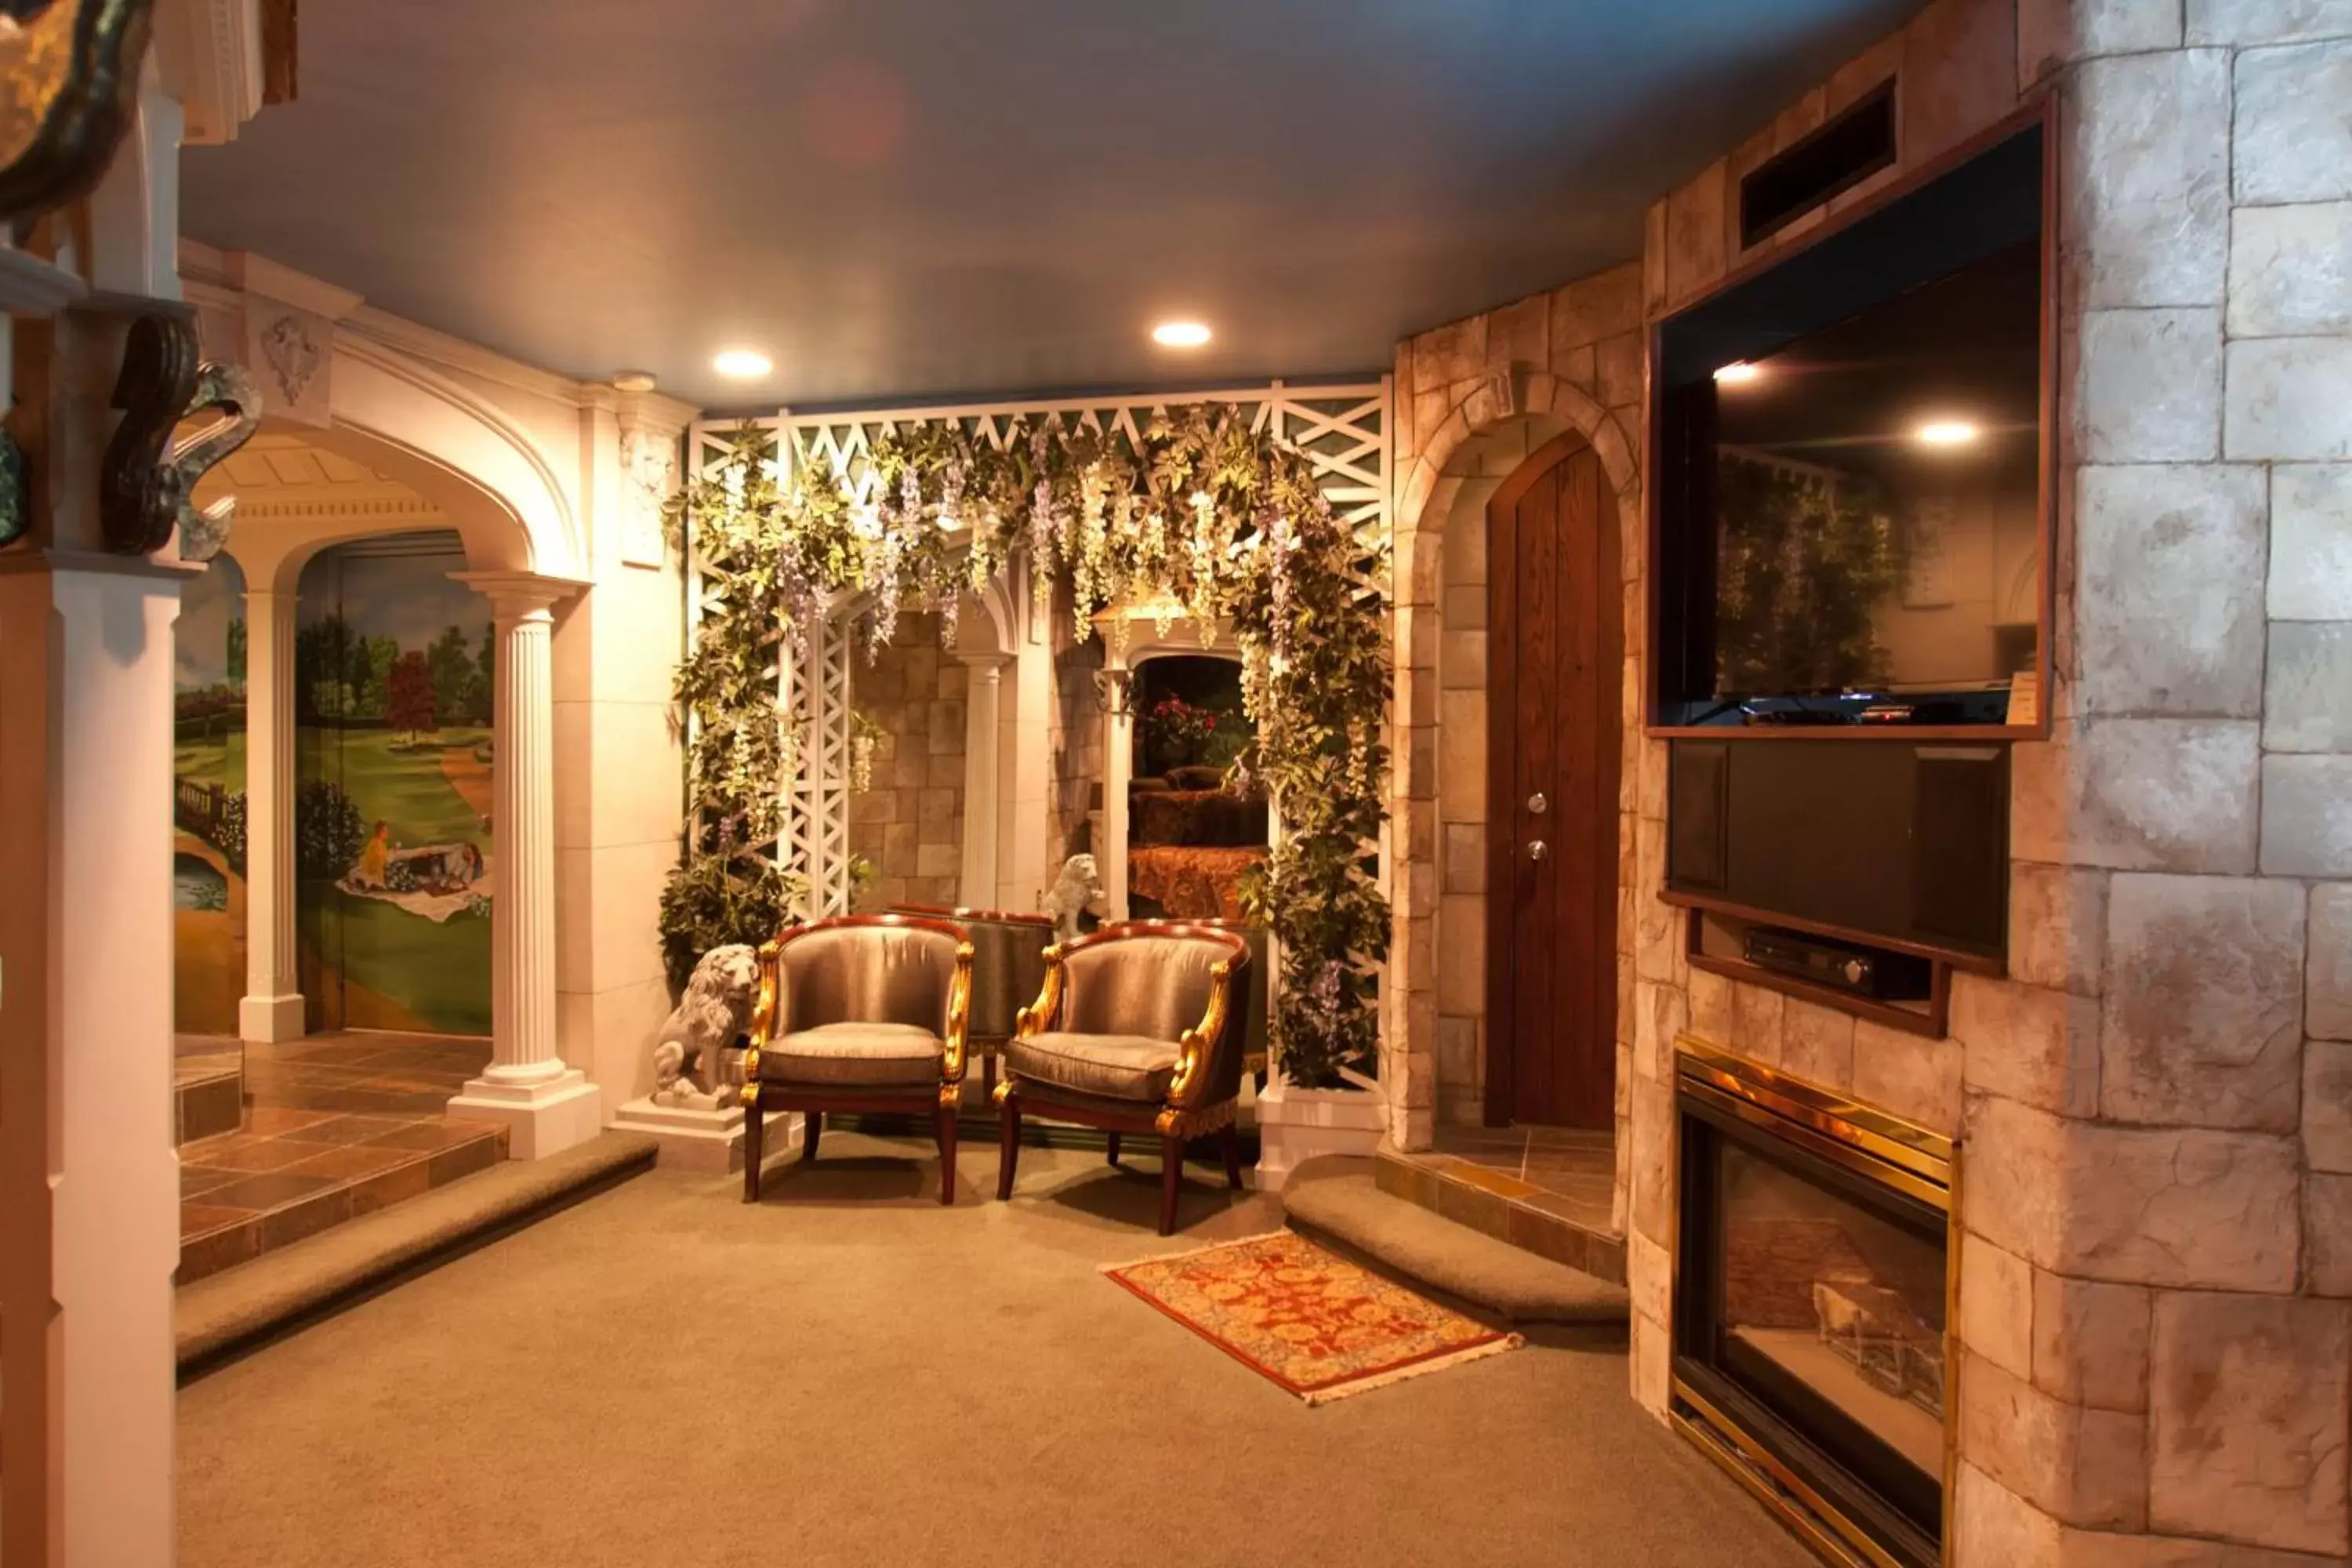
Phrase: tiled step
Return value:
(1571, 1230)
(207, 1105)
(290, 1174)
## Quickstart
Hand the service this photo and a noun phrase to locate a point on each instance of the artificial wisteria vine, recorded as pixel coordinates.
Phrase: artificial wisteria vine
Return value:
(1203, 517)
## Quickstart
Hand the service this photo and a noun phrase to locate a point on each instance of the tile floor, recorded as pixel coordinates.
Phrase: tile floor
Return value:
(1549, 1190)
(337, 1126)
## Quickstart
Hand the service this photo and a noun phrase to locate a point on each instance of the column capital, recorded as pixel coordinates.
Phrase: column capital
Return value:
(520, 596)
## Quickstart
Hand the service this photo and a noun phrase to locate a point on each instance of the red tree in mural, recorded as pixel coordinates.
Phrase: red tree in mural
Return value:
(408, 698)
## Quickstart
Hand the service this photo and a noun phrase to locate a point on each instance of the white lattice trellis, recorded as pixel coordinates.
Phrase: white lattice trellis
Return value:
(1344, 430)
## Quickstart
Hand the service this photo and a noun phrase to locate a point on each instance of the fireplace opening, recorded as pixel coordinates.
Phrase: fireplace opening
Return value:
(1812, 1300)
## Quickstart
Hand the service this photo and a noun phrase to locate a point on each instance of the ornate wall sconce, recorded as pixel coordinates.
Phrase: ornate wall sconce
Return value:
(69, 86)
(1115, 692)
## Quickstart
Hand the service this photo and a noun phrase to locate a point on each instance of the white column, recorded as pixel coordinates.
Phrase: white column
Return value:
(546, 1106)
(272, 1008)
(983, 822)
(1119, 769)
(88, 1180)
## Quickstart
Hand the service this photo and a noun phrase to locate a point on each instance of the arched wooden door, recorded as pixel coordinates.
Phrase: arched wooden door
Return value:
(1555, 676)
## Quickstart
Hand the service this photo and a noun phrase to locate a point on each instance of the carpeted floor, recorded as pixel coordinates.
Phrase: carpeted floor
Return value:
(852, 1374)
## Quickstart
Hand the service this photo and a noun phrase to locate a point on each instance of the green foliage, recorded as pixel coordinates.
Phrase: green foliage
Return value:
(1804, 562)
(329, 831)
(713, 899)
(1203, 517)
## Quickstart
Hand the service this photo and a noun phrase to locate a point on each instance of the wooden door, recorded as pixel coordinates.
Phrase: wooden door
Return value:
(1555, 679)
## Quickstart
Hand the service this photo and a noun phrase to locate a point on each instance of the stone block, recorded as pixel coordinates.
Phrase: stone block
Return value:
(1661, 1015)
(1909, 1075)
(943, 860)
(1462, 756)
(1959, 73)
(1711, 1008)
(1657, 925)
(944, 771)
(2311, 542)
(1599, 306)
(900, 844)
(2052, 34)
(1650, 1276)
(2307, 690)
(2147, 207)
(1457, 1051)
(1520, 334)
(2165, 794)
(2290, 270)
(2147, 386)
(2057, 927)
(2267, 21)
(1461, 660)
(2201, 1024)
(937, 814)
(2327, 1106)
(1465, 606)
(2090, 1341)
(1757, 1014)
(1816, 1044)
(1443, 355)
(1695, 231)
(1650, 1364)
(1461, 978)
(1465, 857)
(2171, 564)
(2307, 817)
(2083, 1466)
(2294, 141)
(1993, 1527)
(2328, 1235)
(2133, 1205)
(2290, 399)
(2247, 1401)
(1997, 1305)
(2327, 1003)
(1652, 1105)
(1618, 376)
(2027, 1043)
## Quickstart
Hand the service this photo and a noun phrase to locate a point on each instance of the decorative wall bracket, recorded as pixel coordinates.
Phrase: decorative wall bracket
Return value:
(69, 86)
(1115, 692)
(148, 485)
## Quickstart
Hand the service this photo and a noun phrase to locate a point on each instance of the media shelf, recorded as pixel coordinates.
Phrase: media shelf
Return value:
(1718, 944)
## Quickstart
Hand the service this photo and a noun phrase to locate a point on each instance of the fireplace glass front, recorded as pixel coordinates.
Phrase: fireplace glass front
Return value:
(1809, 1314)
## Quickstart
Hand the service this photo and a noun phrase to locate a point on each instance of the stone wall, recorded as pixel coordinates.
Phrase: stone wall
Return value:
(1076, 737)
(910, 824)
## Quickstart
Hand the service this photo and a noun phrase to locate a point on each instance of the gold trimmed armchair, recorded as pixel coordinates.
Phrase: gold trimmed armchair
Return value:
(1133, 1032)
(861, 1014)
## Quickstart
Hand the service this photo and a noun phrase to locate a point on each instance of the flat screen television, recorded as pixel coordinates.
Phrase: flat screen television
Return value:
(1851, 470)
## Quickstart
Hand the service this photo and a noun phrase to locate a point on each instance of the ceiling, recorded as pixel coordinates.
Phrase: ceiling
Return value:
(898, 199)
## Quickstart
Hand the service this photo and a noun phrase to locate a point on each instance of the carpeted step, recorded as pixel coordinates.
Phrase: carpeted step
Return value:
(224, 1314)
(1337, 1196)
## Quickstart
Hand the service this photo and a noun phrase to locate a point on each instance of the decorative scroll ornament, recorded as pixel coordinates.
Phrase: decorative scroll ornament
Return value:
(293, 357)
(68, 85)
(149, 479)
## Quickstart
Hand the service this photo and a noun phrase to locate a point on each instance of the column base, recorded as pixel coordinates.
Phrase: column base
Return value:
(266, 1020)
(542, 1118)
(708, 1142)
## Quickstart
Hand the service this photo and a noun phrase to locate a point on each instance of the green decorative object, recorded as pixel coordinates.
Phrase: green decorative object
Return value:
(1202, 518)
(15, 499)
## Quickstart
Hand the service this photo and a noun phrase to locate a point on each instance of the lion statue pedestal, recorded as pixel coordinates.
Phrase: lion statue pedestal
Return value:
(692, 1113)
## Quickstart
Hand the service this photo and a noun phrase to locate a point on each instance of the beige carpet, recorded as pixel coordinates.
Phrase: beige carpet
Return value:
(852, 1374)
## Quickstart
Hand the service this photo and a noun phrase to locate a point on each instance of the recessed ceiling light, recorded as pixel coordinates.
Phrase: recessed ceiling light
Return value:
(1947, 433)
(1180, 334)
(743, 364)
(1738, 375)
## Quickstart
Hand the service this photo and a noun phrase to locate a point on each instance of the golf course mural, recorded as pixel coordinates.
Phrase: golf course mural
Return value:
(209, 802)
(392, 700)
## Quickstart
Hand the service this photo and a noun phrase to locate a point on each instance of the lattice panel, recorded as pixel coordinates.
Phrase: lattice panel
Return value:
(1344, 430)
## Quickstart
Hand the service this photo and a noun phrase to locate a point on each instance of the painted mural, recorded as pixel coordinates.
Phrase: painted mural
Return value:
(393, 682)
(209, 802)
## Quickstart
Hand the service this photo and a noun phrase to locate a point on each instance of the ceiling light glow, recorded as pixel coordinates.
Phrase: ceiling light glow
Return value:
(1738, 375)
(743, 364)
(1947, 433)
(1180, 334)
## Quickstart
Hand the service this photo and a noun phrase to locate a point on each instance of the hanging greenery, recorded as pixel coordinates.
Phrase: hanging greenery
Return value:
(1203, 517)
(1805, 559)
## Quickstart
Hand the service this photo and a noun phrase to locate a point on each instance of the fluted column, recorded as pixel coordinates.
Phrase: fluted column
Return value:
(546, 1105)
(983, 822)
(272, 1008)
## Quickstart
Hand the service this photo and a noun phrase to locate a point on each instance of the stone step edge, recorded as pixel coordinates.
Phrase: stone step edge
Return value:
(1555, 1293)
(226, 1315)
(1551, 1236)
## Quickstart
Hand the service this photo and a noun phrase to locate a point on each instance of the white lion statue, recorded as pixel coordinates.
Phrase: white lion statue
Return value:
(1079, 885)
(716, 1009)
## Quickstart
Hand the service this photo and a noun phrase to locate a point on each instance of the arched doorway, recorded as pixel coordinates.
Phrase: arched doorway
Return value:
(1554, 692)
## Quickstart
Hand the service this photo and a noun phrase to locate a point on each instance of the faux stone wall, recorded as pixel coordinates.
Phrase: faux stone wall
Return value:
(910, 823)
(1076, 736)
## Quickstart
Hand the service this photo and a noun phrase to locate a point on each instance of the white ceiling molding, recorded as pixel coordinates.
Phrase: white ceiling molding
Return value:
(211, 58)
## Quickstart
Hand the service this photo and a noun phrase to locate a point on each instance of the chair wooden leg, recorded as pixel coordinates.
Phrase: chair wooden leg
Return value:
(755, 1127)
(987, 1079)
(1113, 1138)
(1008, 1146)
(1229, 1140)
(947, 1132)
(813, 1125)
(1171, 1176)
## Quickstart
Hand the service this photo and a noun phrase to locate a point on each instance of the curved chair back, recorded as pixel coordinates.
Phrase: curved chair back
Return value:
(1157, 979)
(868, 969)
(1008, 962)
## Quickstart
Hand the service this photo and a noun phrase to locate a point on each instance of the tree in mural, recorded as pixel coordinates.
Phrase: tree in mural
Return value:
(1203, 517)
(410, 704)
(235, 651)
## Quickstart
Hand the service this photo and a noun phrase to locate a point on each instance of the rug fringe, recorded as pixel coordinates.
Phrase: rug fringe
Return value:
(1192, 1251)
(1412, 1369)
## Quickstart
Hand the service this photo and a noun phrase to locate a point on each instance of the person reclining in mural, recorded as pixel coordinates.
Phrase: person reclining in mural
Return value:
(436, 881)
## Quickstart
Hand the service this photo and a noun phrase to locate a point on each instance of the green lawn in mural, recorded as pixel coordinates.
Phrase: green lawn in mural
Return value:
(220, 761)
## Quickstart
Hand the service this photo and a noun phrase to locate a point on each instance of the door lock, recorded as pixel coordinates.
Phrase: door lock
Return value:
(1538, 803)
(1538, 850)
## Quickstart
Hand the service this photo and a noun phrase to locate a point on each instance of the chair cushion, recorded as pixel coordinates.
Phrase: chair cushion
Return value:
(1123, 1067)
(845, 1055)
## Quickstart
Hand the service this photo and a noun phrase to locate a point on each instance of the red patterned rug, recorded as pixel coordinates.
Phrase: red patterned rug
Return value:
(1308, 1319)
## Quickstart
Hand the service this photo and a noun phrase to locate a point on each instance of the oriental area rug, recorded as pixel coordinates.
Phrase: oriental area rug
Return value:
(1306, 1318)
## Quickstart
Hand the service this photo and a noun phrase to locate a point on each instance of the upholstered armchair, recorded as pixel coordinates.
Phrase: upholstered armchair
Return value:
(859, 1013)
(1133, 1032)
(1008, 965)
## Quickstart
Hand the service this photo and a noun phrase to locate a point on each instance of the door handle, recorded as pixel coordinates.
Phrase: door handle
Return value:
(1538, 850)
